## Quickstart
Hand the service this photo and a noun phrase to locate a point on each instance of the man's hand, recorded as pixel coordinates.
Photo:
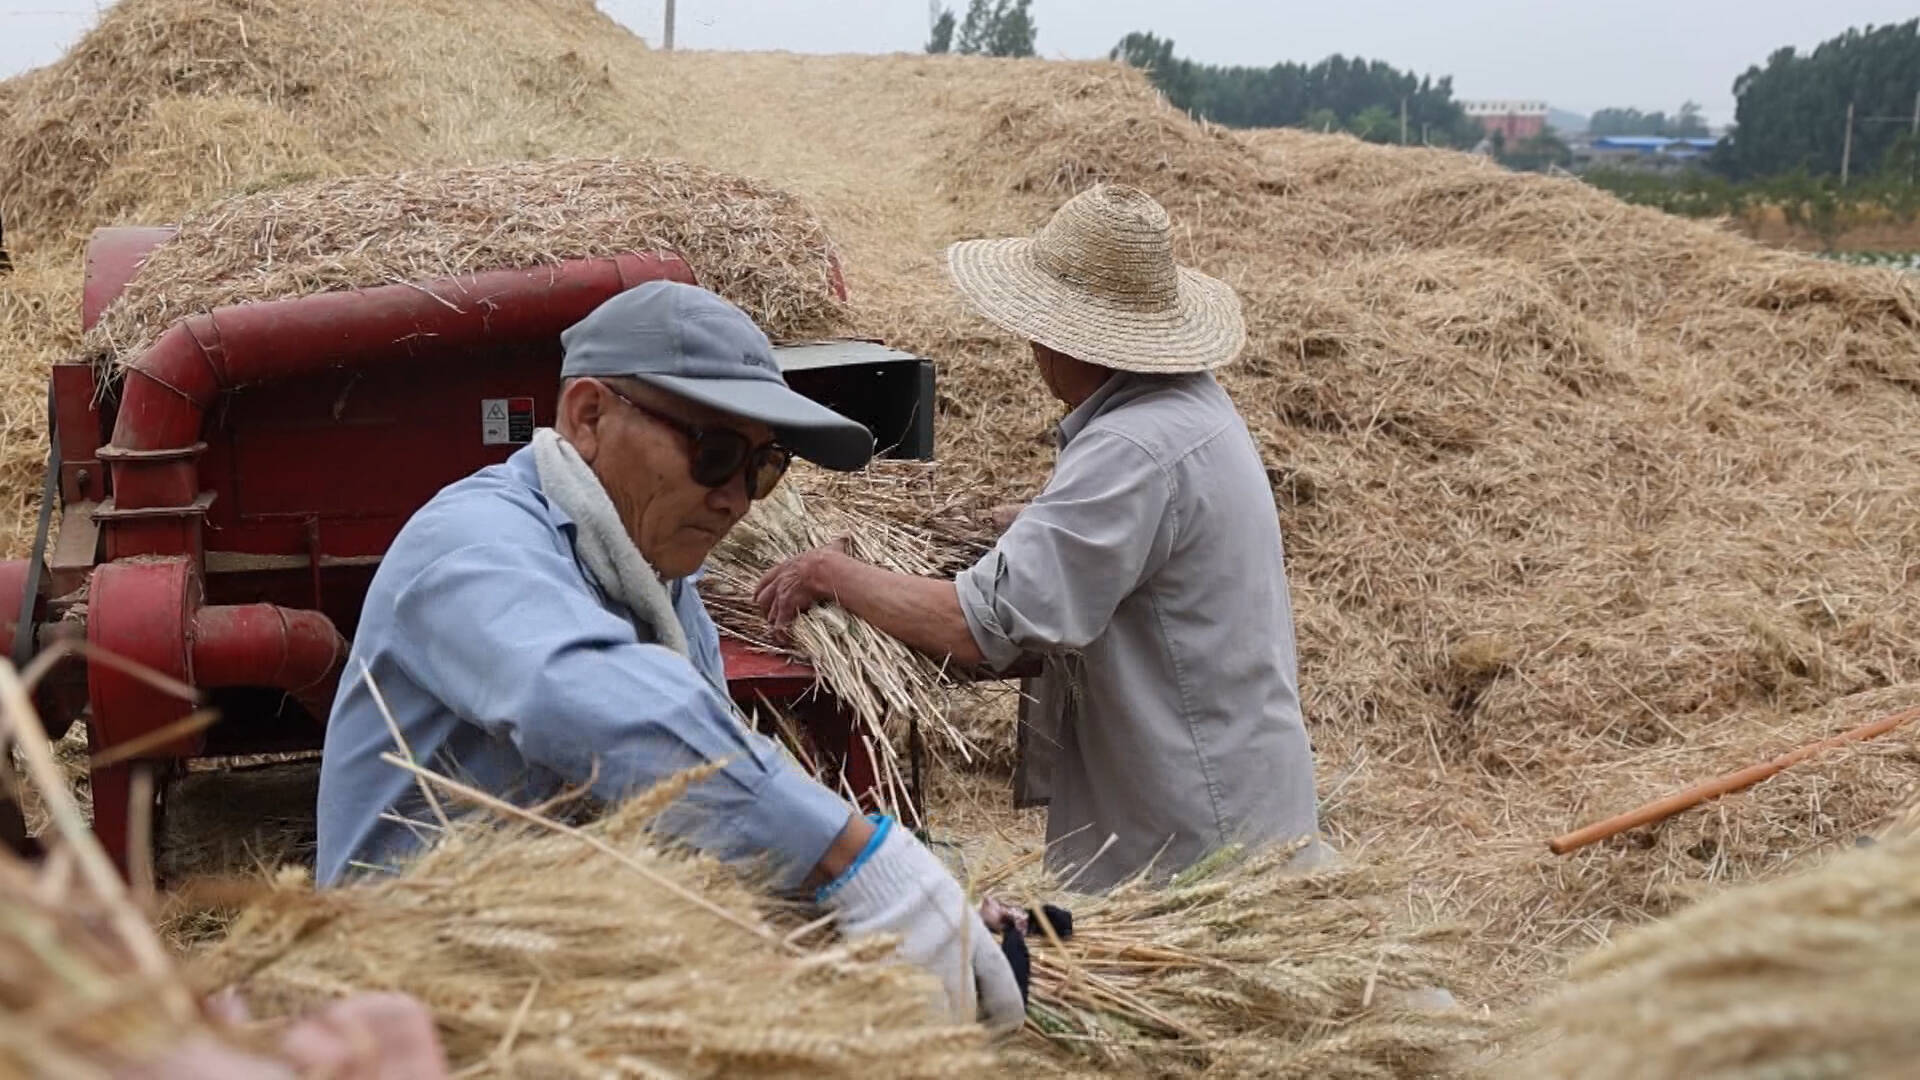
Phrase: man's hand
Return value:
(999, 915)
(368, 1037)
(363, 1037)
(899, 888)
(798, 585)
(922, 613)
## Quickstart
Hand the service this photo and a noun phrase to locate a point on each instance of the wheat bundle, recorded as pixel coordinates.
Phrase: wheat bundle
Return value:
(547, 950)
(1245, 967)
(168, 103)
(893, 515)
(1815, 975)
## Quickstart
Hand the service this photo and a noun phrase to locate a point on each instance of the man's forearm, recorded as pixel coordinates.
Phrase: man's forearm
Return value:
(922, 613)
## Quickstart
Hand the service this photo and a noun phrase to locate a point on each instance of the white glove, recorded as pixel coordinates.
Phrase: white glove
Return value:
(897, 887)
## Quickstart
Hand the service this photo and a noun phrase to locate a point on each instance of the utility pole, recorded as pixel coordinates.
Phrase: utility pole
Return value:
(669, 35)
(1403, 121)
(1846, 147)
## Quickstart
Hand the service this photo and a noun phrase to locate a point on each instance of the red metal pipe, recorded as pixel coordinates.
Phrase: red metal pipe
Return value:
(114, 255)
(267, 645)
(168, 388)
(13, 589)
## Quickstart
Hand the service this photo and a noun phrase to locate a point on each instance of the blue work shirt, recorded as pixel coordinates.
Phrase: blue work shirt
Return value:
(506, 667)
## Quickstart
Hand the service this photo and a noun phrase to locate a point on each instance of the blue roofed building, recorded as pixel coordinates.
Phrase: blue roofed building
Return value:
(1653, 152)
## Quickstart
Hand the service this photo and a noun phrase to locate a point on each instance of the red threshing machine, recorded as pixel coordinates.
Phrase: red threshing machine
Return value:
(222, 510)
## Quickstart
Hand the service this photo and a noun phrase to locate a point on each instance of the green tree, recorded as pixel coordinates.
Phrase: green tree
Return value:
(942, 39)
(1375, 123)
(1685, 124)
(1627, 122)
(1791, 113)
(1336, 93)
(997, 28)
(1688, 123)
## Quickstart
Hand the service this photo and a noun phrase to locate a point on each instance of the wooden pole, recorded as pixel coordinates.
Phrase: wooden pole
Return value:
(669, 36)
(1403, 121)
(1661, 809)
(1846, 151)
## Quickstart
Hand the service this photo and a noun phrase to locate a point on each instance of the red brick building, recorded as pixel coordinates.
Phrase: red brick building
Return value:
(1514, 120)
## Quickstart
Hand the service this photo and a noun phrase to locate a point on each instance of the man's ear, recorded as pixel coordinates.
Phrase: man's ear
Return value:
(579, 413)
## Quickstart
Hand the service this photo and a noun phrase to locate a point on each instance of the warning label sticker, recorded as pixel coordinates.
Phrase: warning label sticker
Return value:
(506, 421)
(493, 421)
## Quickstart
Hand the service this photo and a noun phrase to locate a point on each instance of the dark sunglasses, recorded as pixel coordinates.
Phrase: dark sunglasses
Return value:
(720, 453)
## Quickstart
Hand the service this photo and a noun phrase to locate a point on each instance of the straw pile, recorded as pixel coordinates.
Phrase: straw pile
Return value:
(546, 950)
(754, 245)
(37, 327)
(1247, 968)
(1814, 976)
(169, 102)
(1583, 502)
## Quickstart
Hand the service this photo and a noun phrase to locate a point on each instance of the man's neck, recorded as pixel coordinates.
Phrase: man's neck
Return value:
(1081, 383)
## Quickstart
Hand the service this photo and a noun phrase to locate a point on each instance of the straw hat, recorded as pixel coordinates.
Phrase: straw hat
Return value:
(1099, 284)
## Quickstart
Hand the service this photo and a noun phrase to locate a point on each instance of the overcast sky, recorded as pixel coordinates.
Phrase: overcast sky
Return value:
(1651, 54)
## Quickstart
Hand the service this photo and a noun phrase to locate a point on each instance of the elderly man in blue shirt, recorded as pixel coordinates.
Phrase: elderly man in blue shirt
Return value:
(536, 628)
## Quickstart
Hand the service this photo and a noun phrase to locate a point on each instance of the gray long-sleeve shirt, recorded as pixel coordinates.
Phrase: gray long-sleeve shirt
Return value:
(1150, 576)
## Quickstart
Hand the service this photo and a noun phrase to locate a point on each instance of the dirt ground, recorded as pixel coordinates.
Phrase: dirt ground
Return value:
(1772, 229)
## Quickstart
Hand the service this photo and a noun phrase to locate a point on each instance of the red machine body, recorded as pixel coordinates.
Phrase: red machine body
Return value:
(221, 522)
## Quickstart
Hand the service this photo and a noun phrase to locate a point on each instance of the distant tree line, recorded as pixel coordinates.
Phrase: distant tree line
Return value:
(1791, 114)
(1785, 149)
(1685, 124)
(1790, 137)
(991, 28)
(1336, 94)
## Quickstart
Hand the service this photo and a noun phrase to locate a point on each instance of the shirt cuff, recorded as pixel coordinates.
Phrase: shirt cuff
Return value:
(983, 622)
(795, 821)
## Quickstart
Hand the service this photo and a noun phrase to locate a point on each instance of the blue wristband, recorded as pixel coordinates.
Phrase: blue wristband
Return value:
(882, 824)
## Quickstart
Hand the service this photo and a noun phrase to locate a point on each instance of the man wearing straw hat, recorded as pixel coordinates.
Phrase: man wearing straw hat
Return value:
(536, 629)
(1148, 575)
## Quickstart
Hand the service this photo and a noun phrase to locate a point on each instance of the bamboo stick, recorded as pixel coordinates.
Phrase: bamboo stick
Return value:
(1663, 808)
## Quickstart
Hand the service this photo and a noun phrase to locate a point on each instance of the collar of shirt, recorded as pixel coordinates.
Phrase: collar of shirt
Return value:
(1096, 403)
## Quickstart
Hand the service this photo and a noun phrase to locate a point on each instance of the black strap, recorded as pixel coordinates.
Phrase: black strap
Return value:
(1013, 946)
(24, 630)
(916, 751)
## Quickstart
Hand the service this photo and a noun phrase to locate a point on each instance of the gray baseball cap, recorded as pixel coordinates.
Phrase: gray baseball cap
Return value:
(691, 343)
